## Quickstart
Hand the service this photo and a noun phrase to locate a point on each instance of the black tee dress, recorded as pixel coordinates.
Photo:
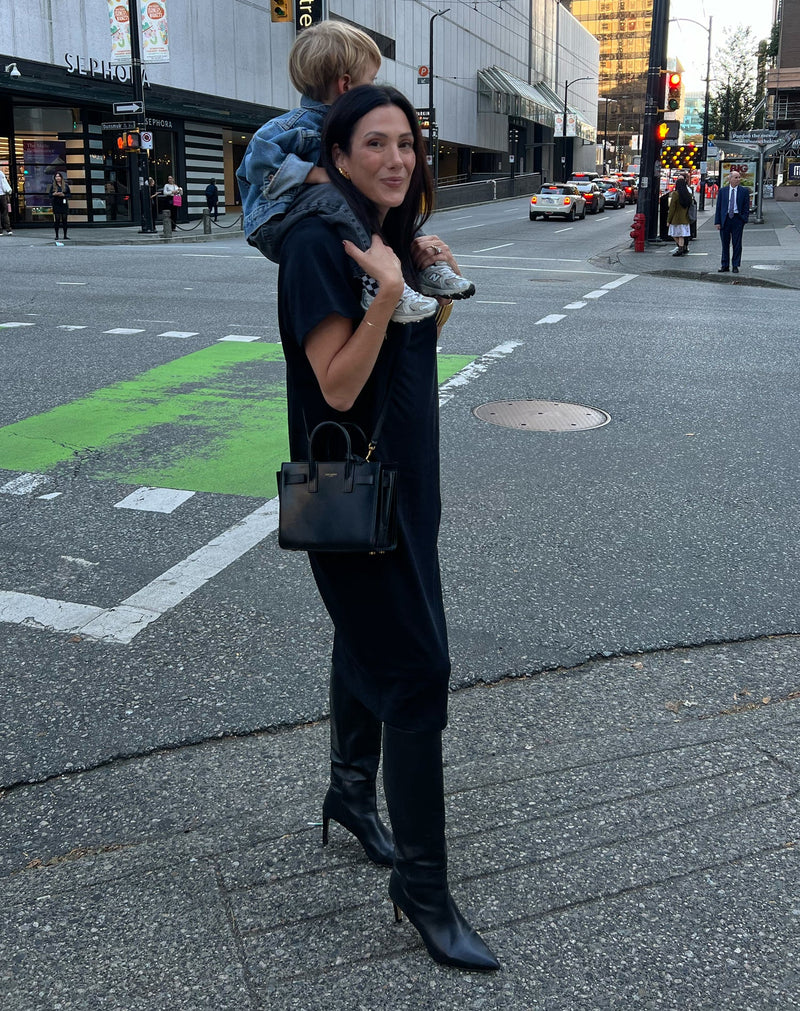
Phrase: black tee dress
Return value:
(390, 636)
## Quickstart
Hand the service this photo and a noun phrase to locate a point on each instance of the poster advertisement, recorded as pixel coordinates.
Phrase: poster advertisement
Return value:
(41, 160)
(153, 26)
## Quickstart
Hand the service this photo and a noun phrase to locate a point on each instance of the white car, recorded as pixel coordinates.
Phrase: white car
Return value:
(562, 200)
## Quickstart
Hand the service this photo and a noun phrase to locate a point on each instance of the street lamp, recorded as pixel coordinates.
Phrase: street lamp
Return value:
(605, 127)
(567, 86)
(616, 150)
(704, 149)
(433, 129)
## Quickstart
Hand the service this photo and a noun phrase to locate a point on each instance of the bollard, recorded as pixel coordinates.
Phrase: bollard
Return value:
(166, 220)
(637, 233)
(206, 221)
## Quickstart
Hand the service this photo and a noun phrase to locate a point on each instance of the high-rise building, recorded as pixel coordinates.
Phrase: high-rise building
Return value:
(623, 29)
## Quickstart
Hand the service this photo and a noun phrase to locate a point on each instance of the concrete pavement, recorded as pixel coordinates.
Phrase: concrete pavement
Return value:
(624, 833)
(770, 251)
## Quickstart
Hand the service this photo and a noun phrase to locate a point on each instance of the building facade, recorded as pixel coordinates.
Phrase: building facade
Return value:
(622, 28)
(227, 74)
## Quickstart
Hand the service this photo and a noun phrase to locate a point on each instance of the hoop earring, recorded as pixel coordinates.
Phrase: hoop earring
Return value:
(343, 173)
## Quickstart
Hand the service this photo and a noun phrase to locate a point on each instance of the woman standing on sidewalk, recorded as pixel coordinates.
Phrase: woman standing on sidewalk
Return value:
(678, 216)
(390, 666)
(59, 195)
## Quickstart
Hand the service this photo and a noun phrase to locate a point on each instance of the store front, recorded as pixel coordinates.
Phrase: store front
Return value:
(59, 119)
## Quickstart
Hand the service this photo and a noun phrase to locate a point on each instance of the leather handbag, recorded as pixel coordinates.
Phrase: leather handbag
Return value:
(345, 504)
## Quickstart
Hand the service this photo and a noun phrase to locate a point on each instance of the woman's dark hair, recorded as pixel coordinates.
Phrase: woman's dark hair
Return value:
(684, 196)
(401, 223)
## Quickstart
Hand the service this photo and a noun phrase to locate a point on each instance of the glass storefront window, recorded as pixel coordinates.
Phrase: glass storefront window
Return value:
(40, 152)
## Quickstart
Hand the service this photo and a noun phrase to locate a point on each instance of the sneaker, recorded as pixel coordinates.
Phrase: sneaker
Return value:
(439, 279)
(411, 307)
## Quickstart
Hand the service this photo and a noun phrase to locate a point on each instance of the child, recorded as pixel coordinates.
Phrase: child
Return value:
(280, 164)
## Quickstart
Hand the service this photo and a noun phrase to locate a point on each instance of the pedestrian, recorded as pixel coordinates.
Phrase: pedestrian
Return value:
(212, 198)
(280, 164)
(173, 194)
(5, 204)
(678, 215)
(730, 217)
(59, 192)
(390, 663)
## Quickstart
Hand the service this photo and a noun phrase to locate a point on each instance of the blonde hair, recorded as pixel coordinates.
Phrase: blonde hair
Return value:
(327, 51)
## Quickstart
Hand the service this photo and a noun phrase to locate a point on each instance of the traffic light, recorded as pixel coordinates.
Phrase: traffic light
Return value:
(281, 10)
(673, 91)
(129, 142)
(668, 129)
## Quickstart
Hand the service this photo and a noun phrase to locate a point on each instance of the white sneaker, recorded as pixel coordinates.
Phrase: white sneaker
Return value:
(439, 279)
(411, 307)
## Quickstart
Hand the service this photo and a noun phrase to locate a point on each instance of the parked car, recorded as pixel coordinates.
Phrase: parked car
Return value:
(558, 200)
(614, 192)
(594, 197)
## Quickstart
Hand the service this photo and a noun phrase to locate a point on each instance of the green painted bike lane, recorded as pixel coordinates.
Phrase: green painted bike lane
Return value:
(210, 421)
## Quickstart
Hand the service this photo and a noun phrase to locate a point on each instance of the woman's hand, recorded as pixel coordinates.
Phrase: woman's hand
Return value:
(380, 262)
(428, 249)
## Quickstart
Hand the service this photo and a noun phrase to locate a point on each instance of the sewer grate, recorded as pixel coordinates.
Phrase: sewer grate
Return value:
(541, 415)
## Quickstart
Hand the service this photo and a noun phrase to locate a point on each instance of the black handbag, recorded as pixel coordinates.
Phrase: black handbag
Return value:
(346, 504)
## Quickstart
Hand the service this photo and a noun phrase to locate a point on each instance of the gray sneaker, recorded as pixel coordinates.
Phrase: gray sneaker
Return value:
(439, 279)
(411, 307)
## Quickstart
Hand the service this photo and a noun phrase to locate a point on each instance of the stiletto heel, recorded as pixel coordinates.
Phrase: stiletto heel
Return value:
(398, 913)
(325, 822)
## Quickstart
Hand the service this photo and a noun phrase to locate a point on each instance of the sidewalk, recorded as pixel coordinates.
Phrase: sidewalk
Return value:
(229, 226)
(770, 252)
(624, 834)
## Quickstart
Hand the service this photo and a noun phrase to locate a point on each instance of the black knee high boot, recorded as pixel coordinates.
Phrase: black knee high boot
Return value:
(414, 783)
(355, 753)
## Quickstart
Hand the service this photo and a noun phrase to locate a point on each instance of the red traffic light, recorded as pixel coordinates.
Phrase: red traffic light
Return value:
(674, 96)
(674, 80)
(129, 142)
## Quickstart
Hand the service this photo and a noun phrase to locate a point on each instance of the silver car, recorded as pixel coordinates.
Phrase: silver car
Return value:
(563, 200)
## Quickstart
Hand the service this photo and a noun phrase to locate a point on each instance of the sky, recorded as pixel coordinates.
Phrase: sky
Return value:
(689, 43)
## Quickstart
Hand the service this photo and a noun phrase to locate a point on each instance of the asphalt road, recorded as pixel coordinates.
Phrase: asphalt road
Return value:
(673, 524)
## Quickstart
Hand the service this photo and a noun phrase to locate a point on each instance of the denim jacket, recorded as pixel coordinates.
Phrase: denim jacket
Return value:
(277, 161)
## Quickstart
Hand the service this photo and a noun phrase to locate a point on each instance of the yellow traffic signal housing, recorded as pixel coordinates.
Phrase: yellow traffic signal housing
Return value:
(281, 10)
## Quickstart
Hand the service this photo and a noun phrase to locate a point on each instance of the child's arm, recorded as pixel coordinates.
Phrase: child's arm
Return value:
(277, 162)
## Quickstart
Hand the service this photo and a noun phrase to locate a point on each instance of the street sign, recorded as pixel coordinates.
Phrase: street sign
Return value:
(147, 140)
(754, 136)
(128, 108)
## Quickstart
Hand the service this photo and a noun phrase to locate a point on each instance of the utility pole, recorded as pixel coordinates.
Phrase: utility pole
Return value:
(140, 157)
(650, 168)
(433, 130)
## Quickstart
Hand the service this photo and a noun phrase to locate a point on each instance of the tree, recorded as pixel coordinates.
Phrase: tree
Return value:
(735, 82)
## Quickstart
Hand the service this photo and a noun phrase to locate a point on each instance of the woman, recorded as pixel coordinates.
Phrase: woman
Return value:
(172, 193)
(678, 216)
(390, 654)
(59, 196)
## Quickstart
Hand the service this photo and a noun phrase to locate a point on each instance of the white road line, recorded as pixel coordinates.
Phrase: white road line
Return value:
(72, 282)
(595, 294)
(488, 248)
(218, 256)
(63, 327)
(121, 624)
(463, 228)
(239, 337)
(486, 301)
(179, 333)
(476, 368)
(23, 484)
(621, 280)
(554, 317)
(50, 496)
(559, 230)
(44, 612)
(123, 330)
(574, 305)
(10, 326)
(154, 500)
(528, 270)
(526, 259)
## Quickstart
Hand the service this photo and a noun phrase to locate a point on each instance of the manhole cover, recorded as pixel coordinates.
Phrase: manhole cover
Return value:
(766, 266)
(542, 415)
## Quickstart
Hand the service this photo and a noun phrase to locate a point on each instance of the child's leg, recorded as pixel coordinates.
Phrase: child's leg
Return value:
(441, 280)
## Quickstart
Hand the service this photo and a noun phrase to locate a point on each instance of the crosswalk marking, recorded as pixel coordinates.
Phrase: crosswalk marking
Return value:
(239, 337)
(123, 330)
(183, 334)
(10, 326)
(154, 500)
(23, 484)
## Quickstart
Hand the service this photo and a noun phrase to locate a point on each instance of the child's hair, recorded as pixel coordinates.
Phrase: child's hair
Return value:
(327, 51)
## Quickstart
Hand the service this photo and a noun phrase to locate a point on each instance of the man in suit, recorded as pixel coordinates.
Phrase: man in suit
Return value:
(733, 210)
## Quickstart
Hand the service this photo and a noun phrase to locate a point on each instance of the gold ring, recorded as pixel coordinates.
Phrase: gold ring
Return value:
(436, 249)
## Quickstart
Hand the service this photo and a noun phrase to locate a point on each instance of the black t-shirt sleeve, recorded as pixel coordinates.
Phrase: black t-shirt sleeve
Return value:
(315, 279)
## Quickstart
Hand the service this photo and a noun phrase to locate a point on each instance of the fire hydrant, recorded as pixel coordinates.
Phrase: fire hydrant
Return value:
(637, 233)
